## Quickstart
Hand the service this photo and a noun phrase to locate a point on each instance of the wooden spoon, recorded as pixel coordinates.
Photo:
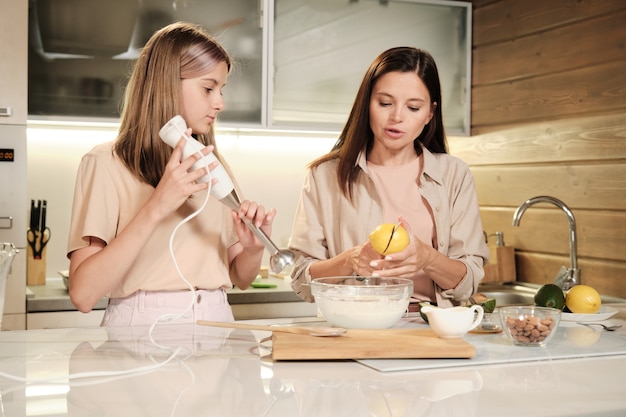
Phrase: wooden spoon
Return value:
(311, 331)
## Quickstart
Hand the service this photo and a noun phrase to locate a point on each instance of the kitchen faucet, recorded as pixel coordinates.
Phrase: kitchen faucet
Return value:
(564, 279)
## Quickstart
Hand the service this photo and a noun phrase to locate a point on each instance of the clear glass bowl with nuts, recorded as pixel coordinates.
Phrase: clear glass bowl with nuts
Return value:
(529, 325)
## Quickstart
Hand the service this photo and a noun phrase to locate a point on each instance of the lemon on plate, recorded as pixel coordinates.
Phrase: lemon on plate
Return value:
(386, 238)
(583, 299)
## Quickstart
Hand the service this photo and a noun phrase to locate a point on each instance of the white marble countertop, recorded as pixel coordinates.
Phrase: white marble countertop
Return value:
(190, 370)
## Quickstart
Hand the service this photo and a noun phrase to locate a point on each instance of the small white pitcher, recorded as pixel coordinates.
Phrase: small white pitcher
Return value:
(454, 321)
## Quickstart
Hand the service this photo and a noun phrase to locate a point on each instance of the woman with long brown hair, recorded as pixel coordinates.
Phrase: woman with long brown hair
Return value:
(390, 164)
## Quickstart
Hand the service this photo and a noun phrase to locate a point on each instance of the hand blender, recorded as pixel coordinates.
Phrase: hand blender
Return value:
(223, 190)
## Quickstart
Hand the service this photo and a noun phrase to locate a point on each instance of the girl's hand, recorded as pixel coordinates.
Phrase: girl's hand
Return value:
(251, 212)
(178, 183)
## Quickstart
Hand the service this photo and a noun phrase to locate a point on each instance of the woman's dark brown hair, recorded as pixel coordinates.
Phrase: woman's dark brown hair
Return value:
(357, 135)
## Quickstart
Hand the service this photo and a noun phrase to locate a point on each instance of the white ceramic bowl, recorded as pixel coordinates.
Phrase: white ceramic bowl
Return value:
(362, 302)
(66, 278)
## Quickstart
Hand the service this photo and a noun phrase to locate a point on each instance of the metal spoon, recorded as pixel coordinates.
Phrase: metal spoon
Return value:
(311, 331)
(607, 328)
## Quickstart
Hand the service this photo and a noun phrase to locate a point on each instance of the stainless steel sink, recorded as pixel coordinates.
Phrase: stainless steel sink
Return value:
(516, 293)
(504, 298)
(508, 294)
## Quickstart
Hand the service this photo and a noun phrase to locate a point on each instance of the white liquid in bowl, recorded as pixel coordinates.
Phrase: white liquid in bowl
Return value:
(368, 313)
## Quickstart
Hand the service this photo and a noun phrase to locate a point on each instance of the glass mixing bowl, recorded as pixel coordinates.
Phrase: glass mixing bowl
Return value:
(354, 302)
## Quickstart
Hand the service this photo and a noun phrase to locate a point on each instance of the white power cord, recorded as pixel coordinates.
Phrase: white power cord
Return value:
(173, 316)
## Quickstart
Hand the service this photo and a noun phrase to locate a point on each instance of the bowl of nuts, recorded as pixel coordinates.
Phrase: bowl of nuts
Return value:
(529, 325)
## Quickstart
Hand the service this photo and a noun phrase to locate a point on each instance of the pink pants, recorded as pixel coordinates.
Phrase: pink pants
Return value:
(144, 308)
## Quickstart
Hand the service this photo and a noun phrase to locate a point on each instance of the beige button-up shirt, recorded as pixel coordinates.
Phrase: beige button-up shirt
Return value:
(326, 223)
(107, 197)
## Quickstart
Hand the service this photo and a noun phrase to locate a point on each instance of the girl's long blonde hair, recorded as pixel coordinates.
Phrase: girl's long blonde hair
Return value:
(153, 95)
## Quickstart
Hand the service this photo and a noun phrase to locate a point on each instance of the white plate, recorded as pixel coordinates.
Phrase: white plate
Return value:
(605, 313)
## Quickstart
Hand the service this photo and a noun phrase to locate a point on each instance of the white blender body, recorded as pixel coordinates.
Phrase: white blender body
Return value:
(224, 189)
(171, 133)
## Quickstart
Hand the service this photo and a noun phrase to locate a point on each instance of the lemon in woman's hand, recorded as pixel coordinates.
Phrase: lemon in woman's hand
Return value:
(380, 238)
(583, 299)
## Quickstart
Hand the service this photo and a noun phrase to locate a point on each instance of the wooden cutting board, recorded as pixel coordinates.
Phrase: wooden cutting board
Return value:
(370, 344)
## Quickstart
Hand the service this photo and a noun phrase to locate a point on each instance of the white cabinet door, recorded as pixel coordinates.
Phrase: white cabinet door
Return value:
(255, 311)
(79, 66)
(13, 62)
(63, 319)
(322, 49)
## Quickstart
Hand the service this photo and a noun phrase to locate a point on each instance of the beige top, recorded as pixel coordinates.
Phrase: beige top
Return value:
(107, 196)
(326, 223)
(400, 197)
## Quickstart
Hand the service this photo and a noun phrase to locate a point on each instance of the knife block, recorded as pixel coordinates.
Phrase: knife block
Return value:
(35, 268)
(501, 266)
(503, 270)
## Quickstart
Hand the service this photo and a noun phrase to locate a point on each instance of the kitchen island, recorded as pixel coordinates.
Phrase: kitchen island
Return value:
(192, 370)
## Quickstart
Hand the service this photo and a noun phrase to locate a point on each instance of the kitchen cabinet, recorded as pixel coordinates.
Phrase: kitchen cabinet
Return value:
(13, 74)
(297, 63)
(322, 48)
(248, 311)
(13, 115)
(49, 307)
(63, 319)
(81, 52)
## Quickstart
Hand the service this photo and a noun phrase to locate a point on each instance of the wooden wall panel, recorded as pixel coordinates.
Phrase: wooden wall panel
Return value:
(590, 186)
(543, 53)
(602, 275)
(579, 92)
(589, 139)
(513, 19)
(545, 229)
(549, 118)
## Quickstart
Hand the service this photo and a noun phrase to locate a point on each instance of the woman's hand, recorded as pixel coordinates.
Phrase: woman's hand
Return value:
(407, 263)
(362, 257)
(178, 182)
(417, 256)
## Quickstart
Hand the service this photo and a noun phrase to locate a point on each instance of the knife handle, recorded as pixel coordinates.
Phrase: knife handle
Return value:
(42, 223)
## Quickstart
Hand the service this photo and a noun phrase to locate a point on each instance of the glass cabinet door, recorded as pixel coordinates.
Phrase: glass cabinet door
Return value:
(322, 49)
(81, 52)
